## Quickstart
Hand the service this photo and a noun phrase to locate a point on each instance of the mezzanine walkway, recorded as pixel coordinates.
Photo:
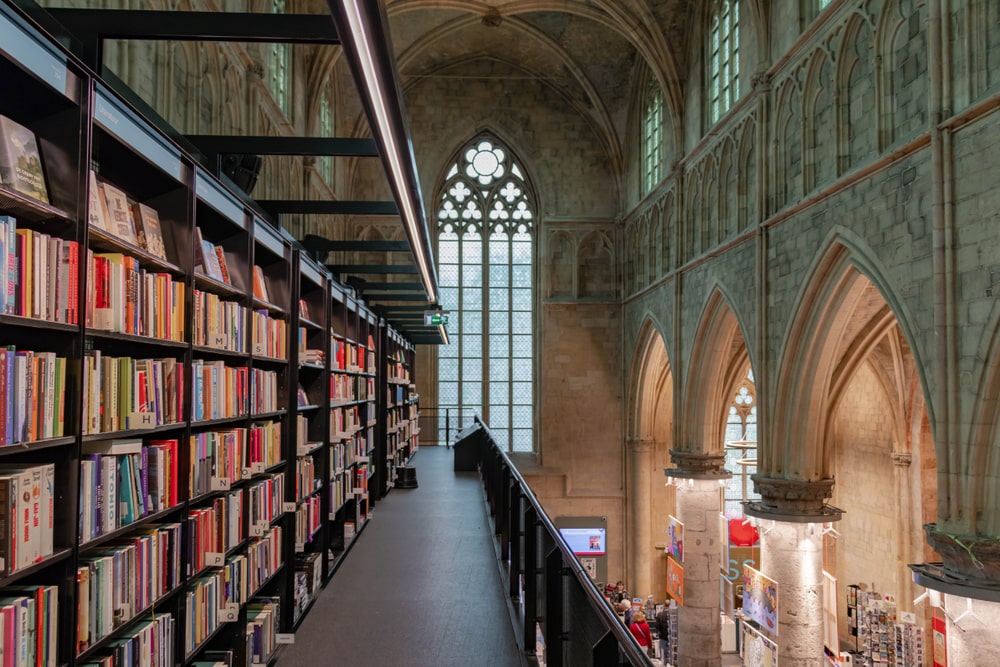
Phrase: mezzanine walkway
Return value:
(419, 587)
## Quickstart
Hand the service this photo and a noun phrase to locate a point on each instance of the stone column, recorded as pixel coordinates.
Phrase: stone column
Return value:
(792, 513)
(640, 513)
(901, 471)
(973, 639)
(699, 627)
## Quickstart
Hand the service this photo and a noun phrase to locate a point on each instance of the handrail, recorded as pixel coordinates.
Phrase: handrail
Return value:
(617, 646)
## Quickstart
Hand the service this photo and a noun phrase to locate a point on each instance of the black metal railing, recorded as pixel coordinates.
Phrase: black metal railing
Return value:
(545, 581)
(438, 426)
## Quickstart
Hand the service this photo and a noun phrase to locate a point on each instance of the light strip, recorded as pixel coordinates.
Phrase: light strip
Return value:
(377, 95)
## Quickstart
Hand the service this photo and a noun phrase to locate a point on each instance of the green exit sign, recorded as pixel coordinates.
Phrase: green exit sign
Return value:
(433, 318)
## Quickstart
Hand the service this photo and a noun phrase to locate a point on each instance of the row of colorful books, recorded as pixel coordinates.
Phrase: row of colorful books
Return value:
(219, 391)
(308, 520)
(29, 626)
(27, 508)
(150, 644)
(210, 259)
(349, 357)
(266, 500)
(263, 616)
(214, 530)
(270, 335)
(344, 422)
(32, 395)
(124, 579)
(218, 323)
(123, 297)
(122, 481)
(218, 460)
(122, 393)
(308, 580)
(347, 388)
(307, 479)
(39, 274)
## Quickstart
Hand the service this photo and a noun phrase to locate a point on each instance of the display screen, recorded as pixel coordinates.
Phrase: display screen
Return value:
(585, 541)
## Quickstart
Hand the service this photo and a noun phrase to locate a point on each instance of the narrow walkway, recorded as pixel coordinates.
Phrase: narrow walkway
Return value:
(419, 587)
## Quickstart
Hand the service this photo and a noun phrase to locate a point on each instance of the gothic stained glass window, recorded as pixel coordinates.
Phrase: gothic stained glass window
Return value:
(325, 162)
(485, 234)
(279, 67)
(724, 59)
(741, 448)
(652, 137)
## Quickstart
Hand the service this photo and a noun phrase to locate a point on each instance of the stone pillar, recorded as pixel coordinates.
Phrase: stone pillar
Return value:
(699, 627)
(972, 631)
(901, 471)
(792, 555)
(792, 513)
(639, 516)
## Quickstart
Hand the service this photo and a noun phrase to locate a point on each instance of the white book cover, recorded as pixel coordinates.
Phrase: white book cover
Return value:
(48, 508)
(52, 280)
(48, 421)
(109, 469)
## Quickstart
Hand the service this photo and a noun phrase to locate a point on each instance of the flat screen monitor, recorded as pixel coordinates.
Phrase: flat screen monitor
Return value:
(585, 541)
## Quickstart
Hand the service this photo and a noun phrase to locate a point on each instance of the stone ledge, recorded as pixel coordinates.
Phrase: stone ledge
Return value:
(975, 559)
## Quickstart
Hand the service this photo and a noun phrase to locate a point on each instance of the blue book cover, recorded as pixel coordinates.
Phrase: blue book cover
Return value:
(126, 510)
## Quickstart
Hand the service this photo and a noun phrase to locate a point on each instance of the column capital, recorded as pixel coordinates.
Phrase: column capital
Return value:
(641, 444)
(793, 500)
(901, 459)
(974, 559)
(697, 465)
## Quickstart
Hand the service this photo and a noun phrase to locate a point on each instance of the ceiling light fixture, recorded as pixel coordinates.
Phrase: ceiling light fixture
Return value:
(364, 35)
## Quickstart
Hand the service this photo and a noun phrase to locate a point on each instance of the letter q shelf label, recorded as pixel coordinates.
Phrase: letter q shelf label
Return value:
(284, 638)
(117, 119)
(32, 53)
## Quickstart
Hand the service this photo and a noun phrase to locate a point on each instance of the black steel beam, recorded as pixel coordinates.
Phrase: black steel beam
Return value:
(179, 25)
(328, 245)
(405, 309)
(328, 207)
(369, 297)
(225, 144)
(372, 268)
(367, 286)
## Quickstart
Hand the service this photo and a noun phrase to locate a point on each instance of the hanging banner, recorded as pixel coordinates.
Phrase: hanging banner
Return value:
(757, 650)
(675, 538)
(760, 599)
(675, 580)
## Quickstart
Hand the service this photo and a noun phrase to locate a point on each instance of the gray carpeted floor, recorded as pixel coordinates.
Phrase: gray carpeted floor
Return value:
(420, 586)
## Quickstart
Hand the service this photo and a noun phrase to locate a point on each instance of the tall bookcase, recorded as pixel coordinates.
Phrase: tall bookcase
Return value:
(203, 424)
(399, 405)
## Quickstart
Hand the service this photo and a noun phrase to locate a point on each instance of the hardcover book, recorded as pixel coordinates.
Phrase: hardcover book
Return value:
(20, 161)
(97, 208)
(119, 213)
(148, 231)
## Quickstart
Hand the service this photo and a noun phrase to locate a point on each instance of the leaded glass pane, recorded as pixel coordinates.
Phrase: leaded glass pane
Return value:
(450, 350)
(472, 321)
(472, 249)
(521, 299)
(447, 370)
(521, 394)
(499, 368)
(522, 275)
(448, 393)
(499, 250)
(499, 323)
(449, 297)
(522, 369)
(500, 435)
(472, 346)
(472, 276)
(521, 323)
(521, 440)
(448, 275)
(499, 394)
(499, 276)
(521, 346)
(499, 346)
(447, 251)
(472, 370)
(522, 249)
(521, 416)
(472, 299)
(499, 417)
(472, 393)
(499, 299)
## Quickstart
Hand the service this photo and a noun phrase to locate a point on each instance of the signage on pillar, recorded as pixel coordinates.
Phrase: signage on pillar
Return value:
(675, 538)
(760, 599)
(675, 580)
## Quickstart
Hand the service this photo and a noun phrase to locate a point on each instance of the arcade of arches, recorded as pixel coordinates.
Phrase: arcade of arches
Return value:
(780, 287)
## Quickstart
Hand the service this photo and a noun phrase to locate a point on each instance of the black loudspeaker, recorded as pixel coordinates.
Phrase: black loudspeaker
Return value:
(470, 446)
(243, 170)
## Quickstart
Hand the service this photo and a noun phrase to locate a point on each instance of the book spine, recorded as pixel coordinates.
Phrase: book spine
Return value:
(10, 262)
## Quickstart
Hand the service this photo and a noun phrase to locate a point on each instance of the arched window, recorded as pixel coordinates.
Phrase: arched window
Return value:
(279, 67)
(724, 59)
(741, 448)
(652, 137)
(485, 222)
(325, 162)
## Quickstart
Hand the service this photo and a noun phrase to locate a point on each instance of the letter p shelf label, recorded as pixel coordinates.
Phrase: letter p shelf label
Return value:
(284, 638)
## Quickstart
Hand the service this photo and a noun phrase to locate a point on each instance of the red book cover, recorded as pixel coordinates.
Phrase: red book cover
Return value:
(3, 397)
(22, 284)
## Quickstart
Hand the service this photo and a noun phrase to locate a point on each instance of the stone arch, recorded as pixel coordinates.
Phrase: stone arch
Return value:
(855, 77)
(729, 185)
(669, 232)
(709, 218)
(630, 258)
(656, 268)
(719, 344)
(788, 126)
(747, 178)
(844, 306)
(649, 416)
(595, 273)
(560, 265)
(902, 58)
(972, 511)
(643, 249)
(819, 165)
(691, 221)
